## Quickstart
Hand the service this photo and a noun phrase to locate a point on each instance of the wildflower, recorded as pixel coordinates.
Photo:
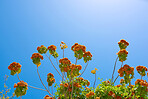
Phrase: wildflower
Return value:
(47, 97)
(87, 56)
(93, 71)
(52, 47)
(90, 94)
(50, 79)
(21, 88)
(65, 61)
(36, 58)
(63, 45)
(122, 81)
(123, 44)
(97, 97)
(141, 70)
(42, 49)
(15, 68)
(122, 54)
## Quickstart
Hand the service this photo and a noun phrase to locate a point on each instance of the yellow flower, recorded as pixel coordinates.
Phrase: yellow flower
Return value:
(96, 69)
(93, 71)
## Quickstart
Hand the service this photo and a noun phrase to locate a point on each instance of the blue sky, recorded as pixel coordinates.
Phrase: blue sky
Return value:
(97, 24)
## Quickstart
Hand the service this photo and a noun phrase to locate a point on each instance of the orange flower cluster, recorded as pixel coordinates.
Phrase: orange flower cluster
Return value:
(50, 74)
(65, 61)
(124, 42)
(107, 82)
(118, 85)
(141, 82)
(90, 94)
(127, 69)
(38, 48)
(47, 97)
(52, 47)
(140, 68)
(77, 85)
(121, 81)
(87, 54)
(77, 47)
(72, 48)
(14, 66)
(111, 94)
(66, 85)
(50, 79)
(21, 83)
(80, 79)
(63, 45)
(37, 55)
(122, 51)
(73, 67)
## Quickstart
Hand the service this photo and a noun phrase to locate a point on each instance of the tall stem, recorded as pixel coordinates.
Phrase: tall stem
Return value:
(114, 69)
(54, 66)
(94, 81)
(73, 79)
(84, 69)
(43, 83)
(118, 75)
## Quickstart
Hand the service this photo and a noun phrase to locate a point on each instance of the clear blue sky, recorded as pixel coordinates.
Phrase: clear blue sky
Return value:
(97, 24)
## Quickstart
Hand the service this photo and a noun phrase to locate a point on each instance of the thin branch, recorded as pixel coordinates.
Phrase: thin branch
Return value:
(84, 69)
(118, 75)
(94, 81)
(114, 69)
(54, 66)
(36, 88)
(18, 77)
(29, 85)
(43, 83)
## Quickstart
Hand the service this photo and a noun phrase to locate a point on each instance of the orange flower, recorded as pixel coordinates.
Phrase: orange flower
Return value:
(121, 81)
(122, 51)
(90, 94)
(88, 83)
(52, 47)
(21, 83)
(50, 74)
(123, 41)
(14, 66)
(38, 48)
(72, 48)
(141, 82)
(140, 68)
(118, 85)
(37, 55)
(66, 85)
(110, 93)
(87, 54)
(65, 61)
(47, 97)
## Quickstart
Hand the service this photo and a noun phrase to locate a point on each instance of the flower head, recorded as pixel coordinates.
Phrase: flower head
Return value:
(42, 49)
(123, 44)
(15, 68)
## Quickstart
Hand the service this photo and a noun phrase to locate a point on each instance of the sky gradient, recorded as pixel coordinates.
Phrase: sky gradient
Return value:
(97, 24)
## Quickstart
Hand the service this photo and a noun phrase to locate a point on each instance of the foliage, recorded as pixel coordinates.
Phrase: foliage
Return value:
(4, 93)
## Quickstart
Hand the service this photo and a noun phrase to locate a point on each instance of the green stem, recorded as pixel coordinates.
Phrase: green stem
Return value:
(84, 69)
(54, 66)
(114, 69)
(94, 81)
(43, 83)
